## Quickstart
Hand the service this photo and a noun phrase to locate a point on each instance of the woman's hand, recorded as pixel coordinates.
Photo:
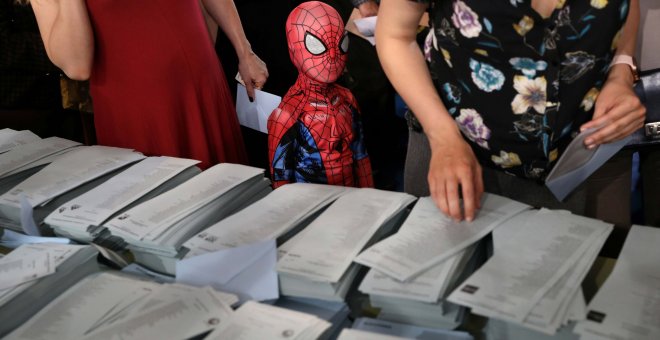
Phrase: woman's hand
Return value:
(618, 110)
(253, 71)
(453, 169)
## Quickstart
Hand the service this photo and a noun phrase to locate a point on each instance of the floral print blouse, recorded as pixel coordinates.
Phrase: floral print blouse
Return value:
(519, 86)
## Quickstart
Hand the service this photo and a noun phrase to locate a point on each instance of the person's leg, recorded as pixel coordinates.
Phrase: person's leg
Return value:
(415, 180)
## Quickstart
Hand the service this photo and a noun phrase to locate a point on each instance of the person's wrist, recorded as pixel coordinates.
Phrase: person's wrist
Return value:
(624, 67)
(621, 73)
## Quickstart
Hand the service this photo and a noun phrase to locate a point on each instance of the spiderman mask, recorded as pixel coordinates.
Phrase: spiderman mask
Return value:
(317, 41)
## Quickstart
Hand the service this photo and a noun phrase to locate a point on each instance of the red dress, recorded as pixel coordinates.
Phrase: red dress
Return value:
(157, 84)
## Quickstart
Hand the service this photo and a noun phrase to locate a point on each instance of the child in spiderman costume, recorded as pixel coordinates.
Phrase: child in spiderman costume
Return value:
(315, 134)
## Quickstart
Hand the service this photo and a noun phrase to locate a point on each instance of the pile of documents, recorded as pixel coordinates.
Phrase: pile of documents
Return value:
(533, 278)
(24, 207)
(21, 160)
(10, 138)
(318, 261)
(156, 229)
(254, 320)
(278, 216)
(81, 218)
(379, 329)
(335, 313)
(400, 281)
(627, 306)
(33, 275)
(116, 306)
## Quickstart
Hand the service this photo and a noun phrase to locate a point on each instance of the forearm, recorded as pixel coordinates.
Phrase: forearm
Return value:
(404, 64)
(226, 16)
(627, 44)
(67, 34)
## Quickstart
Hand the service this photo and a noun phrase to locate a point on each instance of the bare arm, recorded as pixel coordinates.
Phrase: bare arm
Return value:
(453, 165)
(617, 108)
(252, 69)
(67, 34)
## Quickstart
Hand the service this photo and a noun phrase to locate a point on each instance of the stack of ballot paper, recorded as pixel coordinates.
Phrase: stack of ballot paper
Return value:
(627, 306)
(24, 207)
(387, 328)
(335, 313)
(21, 160)
(317, 262)
(405, 294)
(10, 138)
(116, 306)
(81, 218)
(279, 216)
(533, 278)
(156, 229)
(421, 301)
(34, 275)
(254, 320)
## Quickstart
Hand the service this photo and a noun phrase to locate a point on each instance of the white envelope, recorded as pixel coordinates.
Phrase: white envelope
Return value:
(255, 114)
(248, 271)
(578, 163)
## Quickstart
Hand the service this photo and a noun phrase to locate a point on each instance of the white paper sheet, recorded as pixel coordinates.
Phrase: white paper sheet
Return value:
(266, 219)
(171, 312)
(326, 248)
(15, 269)
(69, 171)
(98, 204)
(512, 282)
(151, 218)
(627, 306)
(31, 152)
(259, 321)
(428, 237)
(10, 139)
(248, 271)
(255, 114)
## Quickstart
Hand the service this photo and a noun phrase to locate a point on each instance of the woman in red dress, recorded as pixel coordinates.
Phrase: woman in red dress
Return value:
(155, 79)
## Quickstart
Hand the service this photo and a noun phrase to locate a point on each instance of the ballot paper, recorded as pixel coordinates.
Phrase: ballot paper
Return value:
(12, 239)
(10, 139)
(70, 263)
(356, 334)
(428, 287)
(150, 219)
(388, 328)
(97, 205)
(260, 321)
(577, 163)
(627, 306)
(515, 279)
(106, 305)
(326, 248)
(267, 219)
(19, 267)
(171, 311)
(428, 237)
(22, 155)
(254, 114)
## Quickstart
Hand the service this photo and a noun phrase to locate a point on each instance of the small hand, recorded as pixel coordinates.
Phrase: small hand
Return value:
(455, 168)
(368, 9)
(253, 71)
(618, 110)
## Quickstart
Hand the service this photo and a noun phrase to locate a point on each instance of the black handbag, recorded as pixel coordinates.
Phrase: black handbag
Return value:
(648, 91)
